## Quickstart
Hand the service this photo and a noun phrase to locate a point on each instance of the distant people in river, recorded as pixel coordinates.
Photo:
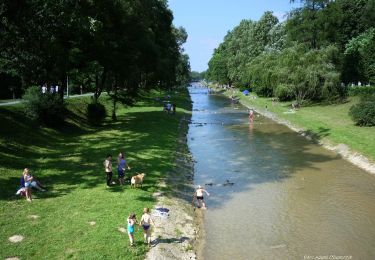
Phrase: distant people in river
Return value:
(198, 196)
(251, 116)
(108, 169)
(146, 225)
(121, 166)
(131, 221)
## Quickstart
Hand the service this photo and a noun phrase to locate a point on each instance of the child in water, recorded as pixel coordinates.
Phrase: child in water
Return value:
(132, 220)
(146, 224)
(198, 195)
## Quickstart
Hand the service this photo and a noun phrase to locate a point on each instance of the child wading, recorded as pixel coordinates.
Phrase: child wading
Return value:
(146, 224)
(198, 195)
(132, 220)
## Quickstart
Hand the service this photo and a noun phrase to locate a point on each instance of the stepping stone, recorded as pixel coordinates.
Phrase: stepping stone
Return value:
(16, 238)
(122, 230)
(12, 258)
(92, 223)
(33, 216)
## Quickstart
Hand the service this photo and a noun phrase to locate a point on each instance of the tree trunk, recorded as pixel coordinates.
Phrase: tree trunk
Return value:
(114, 117)
(99, 84)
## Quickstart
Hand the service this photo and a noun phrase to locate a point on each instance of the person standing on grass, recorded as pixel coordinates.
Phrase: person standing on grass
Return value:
(146, 224)
(174, 108)
(121, 166)
(108, 169)
(28, 179)
(132, 220)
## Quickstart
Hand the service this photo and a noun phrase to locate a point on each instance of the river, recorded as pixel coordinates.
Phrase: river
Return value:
(273, 193)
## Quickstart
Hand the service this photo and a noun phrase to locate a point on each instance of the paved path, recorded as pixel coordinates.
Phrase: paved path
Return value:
(10, 103)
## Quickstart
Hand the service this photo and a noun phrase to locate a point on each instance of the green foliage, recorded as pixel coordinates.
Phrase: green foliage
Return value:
(197, 76)
(363, 113)
(283, 93)
(127, 45)
(362, 91)
(361, 50)
(45, 108)
(96, 113)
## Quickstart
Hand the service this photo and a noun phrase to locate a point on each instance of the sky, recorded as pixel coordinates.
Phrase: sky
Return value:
(208, 21)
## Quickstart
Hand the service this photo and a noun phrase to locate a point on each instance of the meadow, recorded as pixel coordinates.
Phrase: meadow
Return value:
(78, 217)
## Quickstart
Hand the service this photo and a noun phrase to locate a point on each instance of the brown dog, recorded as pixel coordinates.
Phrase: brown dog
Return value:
(137, 180)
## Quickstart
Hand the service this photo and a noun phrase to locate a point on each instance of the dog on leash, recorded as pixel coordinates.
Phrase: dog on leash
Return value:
(137, 180)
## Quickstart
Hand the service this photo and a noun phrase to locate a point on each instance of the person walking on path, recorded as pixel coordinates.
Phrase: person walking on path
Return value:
(108, 169)
(146, 224)
(28, 179)
(121, 166)
(132, 220)
(198, 195)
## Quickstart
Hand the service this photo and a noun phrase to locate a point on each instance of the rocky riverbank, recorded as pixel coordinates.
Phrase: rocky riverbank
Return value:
(176, 233)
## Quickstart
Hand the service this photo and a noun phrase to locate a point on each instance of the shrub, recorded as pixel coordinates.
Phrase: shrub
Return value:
(96, 113)
(363, 113)
(362, 90)
(283, 93)
(45, 108)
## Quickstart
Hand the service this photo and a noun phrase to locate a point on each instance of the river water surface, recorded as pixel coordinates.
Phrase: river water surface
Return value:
(291, 198)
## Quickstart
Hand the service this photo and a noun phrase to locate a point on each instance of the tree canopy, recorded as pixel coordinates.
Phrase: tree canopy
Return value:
(122, 46)
(321, 45)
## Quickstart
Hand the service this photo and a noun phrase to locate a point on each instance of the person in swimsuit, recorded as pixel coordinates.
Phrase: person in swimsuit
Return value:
(251, 116)
(198, 195)
(146, 224)
(121, 165)
(28, 179)
(132, 220)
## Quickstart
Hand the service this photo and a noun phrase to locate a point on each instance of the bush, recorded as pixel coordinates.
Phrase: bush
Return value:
(96, 113)
(363, 113)
(362, 90)
(45, 108)
(283, 93)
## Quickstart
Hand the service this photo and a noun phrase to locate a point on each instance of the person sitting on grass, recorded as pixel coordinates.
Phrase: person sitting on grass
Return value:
(121, 166)
(34, 184)
(146, 224)
(28, 179)
(132, 220)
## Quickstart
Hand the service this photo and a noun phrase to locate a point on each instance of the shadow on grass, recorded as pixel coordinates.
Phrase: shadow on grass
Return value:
(71, 157)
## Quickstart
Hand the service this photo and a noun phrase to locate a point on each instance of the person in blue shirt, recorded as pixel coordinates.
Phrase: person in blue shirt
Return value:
(121, 166)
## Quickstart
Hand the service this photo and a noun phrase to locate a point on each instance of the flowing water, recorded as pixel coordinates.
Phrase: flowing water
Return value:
(274, 194)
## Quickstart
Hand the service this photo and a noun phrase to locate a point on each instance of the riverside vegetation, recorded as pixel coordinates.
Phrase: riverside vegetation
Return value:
(78, 217)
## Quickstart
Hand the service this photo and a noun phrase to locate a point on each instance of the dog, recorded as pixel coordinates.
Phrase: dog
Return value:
(137, 180)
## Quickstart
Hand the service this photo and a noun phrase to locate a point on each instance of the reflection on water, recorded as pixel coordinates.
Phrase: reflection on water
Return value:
(290, 199)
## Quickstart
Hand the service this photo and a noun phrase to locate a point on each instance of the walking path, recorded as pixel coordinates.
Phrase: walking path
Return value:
(10, 103)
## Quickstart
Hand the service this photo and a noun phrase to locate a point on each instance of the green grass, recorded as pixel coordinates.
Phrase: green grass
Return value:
(69, 160)
(328, 122)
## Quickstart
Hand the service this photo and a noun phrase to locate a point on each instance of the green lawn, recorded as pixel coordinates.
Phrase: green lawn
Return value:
(69, 161)
(329, 122)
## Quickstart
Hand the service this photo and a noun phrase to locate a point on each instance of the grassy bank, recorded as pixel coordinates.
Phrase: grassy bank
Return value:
(69, 161)
(326, 122)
